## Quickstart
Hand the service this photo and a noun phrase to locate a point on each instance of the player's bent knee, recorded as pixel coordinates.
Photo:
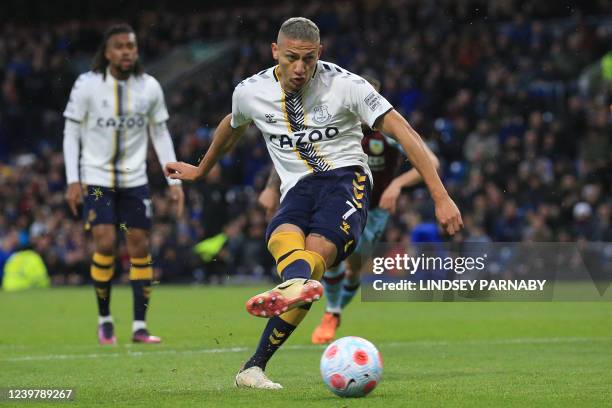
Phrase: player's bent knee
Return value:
(105, 247)
(354, 266)
(323, 247)
(138, 243)
(288, 228)
(104, 239)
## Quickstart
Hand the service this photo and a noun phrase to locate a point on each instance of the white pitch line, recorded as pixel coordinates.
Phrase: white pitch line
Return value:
(529, 340)
(179, 352)
(126, 354)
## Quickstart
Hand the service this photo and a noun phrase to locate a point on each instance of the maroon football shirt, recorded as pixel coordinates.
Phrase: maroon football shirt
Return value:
(383, 159)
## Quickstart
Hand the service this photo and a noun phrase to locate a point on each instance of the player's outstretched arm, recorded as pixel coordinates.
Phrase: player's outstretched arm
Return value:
(410, 178)
(224, 140)
(447, 213)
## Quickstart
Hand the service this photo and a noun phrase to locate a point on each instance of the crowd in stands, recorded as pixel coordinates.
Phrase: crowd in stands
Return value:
(493, 90)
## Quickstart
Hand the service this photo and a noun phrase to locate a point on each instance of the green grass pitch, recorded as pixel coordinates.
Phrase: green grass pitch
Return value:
(436, 354)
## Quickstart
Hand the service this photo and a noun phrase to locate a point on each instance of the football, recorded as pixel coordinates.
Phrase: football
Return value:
(351, 367)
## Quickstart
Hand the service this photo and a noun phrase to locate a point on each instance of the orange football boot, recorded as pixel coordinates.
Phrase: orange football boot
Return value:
(326, 330)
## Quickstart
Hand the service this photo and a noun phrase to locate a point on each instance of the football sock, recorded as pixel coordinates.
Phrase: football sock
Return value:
(141, 274)
(102, 268)
(276, 332)
(348, 292)
(332, 283)
(292, 260)
(105, 319)
(138, 325)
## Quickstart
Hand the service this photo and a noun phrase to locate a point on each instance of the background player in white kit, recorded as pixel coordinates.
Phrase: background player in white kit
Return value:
(110, 111)
(310, 114)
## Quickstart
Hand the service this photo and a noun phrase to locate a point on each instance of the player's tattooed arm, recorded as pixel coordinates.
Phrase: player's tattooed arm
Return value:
(269, 198)
(273, 179)
(224, 140)
(447, 213)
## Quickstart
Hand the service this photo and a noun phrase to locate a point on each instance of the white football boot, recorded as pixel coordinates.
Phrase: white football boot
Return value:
(254, 377)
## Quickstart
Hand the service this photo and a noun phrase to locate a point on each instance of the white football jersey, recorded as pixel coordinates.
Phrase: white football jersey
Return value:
(114, 117)
(317, 128)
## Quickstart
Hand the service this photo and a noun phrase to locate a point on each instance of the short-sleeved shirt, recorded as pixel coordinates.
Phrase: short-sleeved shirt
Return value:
(114, 117)
(314, 129)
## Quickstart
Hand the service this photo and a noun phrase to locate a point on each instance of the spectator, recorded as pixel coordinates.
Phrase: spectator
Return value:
(497, 100)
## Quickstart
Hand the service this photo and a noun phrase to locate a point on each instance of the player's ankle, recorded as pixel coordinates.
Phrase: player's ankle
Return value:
(138, 325)
(252, 362)
(105, 319)
(335, 310)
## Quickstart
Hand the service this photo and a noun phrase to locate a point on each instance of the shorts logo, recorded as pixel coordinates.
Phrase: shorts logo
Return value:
(270, 118)
(148, 208)
(376, 146)
(373, 100)
(345, 227)
(321, 115)
(276, 337)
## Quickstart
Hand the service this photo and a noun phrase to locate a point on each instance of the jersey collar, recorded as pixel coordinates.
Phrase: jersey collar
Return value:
(109, 75)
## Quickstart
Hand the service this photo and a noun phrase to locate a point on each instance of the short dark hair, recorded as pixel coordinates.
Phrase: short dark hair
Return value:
(300, 28)
(100, 63)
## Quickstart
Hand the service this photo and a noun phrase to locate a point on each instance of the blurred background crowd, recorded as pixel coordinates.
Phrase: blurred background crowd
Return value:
(514, 97)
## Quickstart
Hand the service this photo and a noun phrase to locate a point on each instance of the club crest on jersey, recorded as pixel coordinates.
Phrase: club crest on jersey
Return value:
(376, 146)
(321, 114)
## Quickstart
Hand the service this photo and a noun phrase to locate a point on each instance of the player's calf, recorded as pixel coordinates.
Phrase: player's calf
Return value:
(141, 275)
(102, 269)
